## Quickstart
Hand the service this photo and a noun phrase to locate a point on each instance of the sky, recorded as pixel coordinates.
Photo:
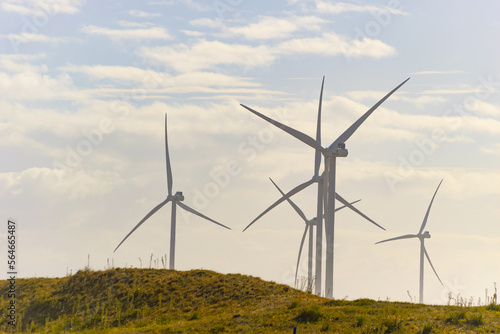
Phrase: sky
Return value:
(84, 86)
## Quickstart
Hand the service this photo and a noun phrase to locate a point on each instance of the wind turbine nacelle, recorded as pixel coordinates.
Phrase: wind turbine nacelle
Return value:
(339, 151)
(178, 196)
(427, 235)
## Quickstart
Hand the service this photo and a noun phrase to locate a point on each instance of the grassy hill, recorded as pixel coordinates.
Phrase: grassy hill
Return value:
(201, 301)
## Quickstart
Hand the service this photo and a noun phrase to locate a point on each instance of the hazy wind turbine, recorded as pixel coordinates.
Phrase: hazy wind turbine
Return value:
(336, 149)
(310, 223)
(421, 236)
(176, 200)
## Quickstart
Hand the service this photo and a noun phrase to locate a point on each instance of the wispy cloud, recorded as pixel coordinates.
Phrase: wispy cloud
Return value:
(132, 24)
(334, 44)
(30, 86)
(197, 6)
(51, 8)
(80, 185)
(272, 27)
(123, 74)
(192, 33)
(486, 109)
(342, 7)
(492, 149)
(161, 3)
(29, 37)
(205, 54)
(22, 63)
(122, 34)
(420, 101)
(140, 13)
(161, 85)
(22, 80)
(208, 23)
(438, 72)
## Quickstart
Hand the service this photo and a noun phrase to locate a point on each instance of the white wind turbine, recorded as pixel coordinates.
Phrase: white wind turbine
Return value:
(176, 200)
(310, 223)
(325, 186)
(421, 236)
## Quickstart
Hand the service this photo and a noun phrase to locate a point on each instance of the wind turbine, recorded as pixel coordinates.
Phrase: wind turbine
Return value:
(421, 236)
(176, 200)
(336, 149)
(310, 223)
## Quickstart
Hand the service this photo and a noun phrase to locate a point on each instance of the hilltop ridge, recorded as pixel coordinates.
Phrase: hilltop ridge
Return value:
(202, 301)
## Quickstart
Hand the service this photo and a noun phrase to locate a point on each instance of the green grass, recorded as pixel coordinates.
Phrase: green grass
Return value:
(201, 301)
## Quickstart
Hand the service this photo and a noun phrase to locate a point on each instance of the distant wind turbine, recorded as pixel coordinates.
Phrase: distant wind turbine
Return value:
(330, 153)
(421, 236)
(176, 200)
(309, 223)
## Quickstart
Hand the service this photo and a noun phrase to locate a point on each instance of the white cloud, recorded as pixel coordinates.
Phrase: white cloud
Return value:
(20, 80)
(161, 3)
(128, 74)
(493, 149)
(450, 91)
(26, 86)
(47, 8)
(449, 126)
(419, 101)
(131, 24)
(342, 7)
(14, 8)
(334, 44)
(206, 54)
(197, 6)
(367, 48)
(486, 109)
(192, 33)
(29, 37)
(121, 34)
(461, 183)
(437, 72)
(272, 27)
(140, 13)
(207, 23)
(22, 63)
(152, 81)
(23, 81)
(19, 122)
(76, 185)
(211, 79)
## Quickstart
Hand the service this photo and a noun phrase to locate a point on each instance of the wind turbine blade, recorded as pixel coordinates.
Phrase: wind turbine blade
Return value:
(156, 208)
(348, 133)
(193, 211)
(300, 252)
(429, 259)
(317, 157)
(287, 195)
(169, 168)
(406, 236)
(297, 134)
(297, 209)
(343, 201)
(344, 206)
(428, 210)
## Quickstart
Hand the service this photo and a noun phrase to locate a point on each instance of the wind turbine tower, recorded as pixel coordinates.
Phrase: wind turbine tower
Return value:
(176, 200)
(421, 237)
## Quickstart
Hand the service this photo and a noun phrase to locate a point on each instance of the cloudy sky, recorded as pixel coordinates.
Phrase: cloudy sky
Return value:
(84, 87)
